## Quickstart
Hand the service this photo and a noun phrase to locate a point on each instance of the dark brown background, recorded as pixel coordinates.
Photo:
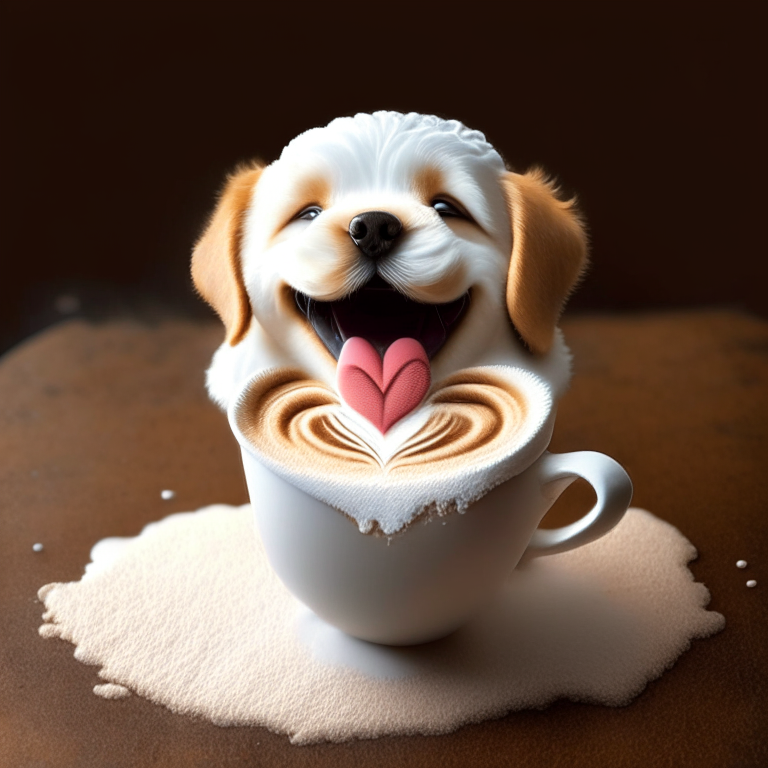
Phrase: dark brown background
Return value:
(124, 119)
(120, 122)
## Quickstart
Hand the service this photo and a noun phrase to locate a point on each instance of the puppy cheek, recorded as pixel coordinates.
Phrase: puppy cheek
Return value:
(431, 266)
(321, 262)
(291, 318)
(452, 284)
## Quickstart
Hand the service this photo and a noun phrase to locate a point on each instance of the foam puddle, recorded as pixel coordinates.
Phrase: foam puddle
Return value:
(189, 615)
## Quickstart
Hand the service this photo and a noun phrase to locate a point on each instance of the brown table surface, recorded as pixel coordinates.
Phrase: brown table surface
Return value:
(96, 420)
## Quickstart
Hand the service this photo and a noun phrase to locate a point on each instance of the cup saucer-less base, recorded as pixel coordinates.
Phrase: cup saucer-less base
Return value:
(424, 583)
(190, 615)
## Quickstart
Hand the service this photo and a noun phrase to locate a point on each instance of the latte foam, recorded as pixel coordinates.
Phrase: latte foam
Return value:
(475, 430)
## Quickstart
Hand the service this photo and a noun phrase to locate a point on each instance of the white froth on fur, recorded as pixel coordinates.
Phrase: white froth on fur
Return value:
(395, 144)
(190, 615)
(387, 129)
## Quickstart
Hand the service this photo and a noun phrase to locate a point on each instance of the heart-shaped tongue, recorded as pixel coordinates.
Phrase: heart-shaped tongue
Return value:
(383, 392)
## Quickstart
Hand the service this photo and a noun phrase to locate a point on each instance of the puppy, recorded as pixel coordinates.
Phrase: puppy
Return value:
(384, 226)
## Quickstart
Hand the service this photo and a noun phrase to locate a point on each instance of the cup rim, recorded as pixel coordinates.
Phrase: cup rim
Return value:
(374, 502)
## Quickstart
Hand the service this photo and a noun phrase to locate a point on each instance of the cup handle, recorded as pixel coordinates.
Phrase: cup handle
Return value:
(611, 485)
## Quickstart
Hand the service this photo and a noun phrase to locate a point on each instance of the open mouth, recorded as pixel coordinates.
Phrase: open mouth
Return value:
(381, 315)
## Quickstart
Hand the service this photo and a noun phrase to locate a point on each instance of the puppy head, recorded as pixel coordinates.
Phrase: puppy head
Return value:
(389, 225)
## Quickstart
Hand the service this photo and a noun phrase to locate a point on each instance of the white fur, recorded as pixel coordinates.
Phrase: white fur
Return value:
(368, 162)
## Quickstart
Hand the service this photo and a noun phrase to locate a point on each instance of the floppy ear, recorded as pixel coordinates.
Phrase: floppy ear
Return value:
(549, 253)
(216, 268)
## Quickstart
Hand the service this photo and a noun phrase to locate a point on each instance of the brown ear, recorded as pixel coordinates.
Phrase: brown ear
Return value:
(216, 269)
(549, 252)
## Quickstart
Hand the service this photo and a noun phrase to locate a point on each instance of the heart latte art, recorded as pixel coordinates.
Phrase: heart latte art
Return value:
(383, 390)
(475, 430)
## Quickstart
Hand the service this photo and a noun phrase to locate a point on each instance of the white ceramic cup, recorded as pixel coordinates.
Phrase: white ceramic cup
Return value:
(428, 580)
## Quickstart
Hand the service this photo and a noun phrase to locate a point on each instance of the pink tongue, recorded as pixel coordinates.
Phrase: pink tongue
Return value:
(383, 393)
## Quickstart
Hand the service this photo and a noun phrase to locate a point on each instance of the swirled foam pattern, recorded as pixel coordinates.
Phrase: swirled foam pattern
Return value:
(476, 429)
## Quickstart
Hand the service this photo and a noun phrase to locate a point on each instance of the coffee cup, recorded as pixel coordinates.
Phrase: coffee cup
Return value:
(430, 578)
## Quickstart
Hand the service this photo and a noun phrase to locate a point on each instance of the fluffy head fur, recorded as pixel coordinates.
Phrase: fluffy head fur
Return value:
(517, 251)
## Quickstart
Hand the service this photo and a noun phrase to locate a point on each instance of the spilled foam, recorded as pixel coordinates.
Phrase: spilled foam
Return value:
(190, 615)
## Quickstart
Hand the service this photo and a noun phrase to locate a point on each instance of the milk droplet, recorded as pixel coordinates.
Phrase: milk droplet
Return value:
(741, 563)
(167, 495)
(37, 547)
(751, 583)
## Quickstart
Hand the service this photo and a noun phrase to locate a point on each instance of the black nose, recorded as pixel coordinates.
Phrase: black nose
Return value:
(374, 232)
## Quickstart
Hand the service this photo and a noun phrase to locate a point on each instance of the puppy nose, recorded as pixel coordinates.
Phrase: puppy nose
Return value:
(374, 232)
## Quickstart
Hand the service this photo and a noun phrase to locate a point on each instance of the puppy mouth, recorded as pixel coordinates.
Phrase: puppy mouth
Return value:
(380, 314)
